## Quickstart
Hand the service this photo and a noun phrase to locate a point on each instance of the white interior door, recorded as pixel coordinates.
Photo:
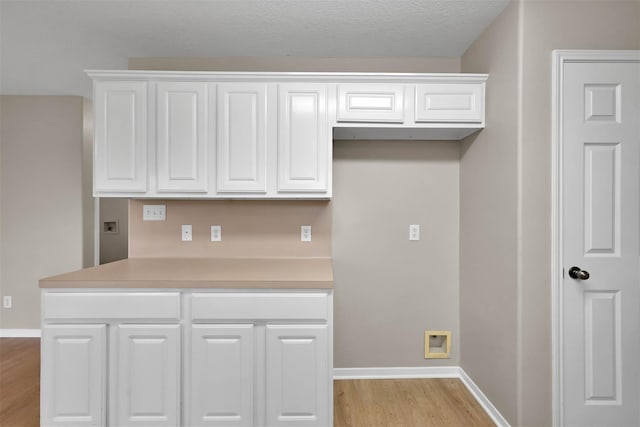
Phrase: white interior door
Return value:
(600, 324)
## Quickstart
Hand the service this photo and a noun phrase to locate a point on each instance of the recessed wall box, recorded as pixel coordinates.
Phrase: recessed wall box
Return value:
(437, 344)
(110, 227)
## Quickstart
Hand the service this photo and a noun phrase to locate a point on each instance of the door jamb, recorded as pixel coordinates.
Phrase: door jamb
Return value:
(559, 59)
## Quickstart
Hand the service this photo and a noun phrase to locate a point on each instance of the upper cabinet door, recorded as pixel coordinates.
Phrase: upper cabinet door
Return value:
(382, 103)
(242, 137)
(182, 137)
(438, 102)
(303, 138)
(120, 155)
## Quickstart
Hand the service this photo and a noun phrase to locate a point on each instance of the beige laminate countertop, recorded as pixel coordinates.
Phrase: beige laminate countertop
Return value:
(232, 273)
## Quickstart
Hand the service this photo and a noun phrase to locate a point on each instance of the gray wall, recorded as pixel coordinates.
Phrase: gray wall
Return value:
(514, 153)
(41, 216)
(388, 289)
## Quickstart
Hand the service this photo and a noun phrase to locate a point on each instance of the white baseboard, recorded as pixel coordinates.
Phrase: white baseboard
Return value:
(382, 373)
(425, 372)
(483, 400)
(19, 333)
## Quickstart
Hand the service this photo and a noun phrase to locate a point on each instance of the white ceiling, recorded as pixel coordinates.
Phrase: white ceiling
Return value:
(46, 45)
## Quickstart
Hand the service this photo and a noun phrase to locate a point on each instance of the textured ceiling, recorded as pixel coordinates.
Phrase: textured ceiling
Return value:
(46, 45)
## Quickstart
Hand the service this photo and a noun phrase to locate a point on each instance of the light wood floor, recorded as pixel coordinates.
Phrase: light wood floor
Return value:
(357, 403)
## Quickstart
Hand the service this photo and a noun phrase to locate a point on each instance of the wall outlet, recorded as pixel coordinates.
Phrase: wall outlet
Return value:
(187, 234)
(154, 212)
(7, 302)
(216, 233)
(305, 233)
(414, 232)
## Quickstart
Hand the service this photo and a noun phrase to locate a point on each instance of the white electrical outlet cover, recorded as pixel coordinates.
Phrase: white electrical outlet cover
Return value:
(187, 235)
(216, 233)
(154, 212)
(305, 233)
(414, 232)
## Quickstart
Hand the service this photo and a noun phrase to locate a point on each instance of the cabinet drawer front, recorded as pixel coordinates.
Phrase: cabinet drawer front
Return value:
(111, 305)
(254, 306)
(371, 103)
(449, 103)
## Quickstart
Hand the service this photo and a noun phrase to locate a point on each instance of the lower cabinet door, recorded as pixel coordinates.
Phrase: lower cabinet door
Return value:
(74, 362)
(298, 376)
(147, 389)
(222, 371)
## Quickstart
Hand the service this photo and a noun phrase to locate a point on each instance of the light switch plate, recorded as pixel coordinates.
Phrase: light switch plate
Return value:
(7, 302)
(187, 234)
(414, 232)
(154, 212)
(305, 233)
(216, 233)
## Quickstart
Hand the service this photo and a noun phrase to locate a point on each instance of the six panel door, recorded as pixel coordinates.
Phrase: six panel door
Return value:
(303, 139)
(147, 390)
(222, 361)
(182, 137)
(120, 156)
(242, 137)
(74, 367)
(297, 380)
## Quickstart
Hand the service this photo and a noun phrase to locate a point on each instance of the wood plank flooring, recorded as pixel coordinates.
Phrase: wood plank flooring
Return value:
(19, 382)
(358, 403)
(406, 403)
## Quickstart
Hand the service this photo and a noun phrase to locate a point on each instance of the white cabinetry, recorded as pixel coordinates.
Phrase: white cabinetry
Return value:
(182, 136)
(359, 102)
(303, 138)
(120, 153)
(74, 369)
(242, 138)
(196, 358)
(211, 135)
(297, 387)
(147, 390)
(450, 103)
(222, 375)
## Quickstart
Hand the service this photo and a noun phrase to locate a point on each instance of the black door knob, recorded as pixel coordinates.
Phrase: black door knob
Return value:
(577, 273)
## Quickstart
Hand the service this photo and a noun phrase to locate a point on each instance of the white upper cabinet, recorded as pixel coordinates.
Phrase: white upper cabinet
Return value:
(219, 135)
(182, 137)
(449, 103)
(359, 102)
(303, 138)
(120, 154)
(242, 137)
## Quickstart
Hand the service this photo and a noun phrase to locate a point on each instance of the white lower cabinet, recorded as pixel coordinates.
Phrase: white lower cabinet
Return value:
(222, 375)
(147, 388)
(297, 382)
(74, 368)
(187, 358)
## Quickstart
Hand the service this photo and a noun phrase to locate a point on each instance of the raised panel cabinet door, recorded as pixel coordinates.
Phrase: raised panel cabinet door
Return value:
(182, 136)
(382, 103)
(297, 375)
(147, 389)
(450, 102)
(120, 153)
(303, 138)
(222, 370)
(242, 137)
(74, 366)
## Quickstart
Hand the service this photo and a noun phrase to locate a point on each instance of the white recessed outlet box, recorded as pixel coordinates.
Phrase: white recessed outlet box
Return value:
(216, 233)
(414, 232)
(187, 235)
(305, 233)
(154, 212)
(7, 302)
